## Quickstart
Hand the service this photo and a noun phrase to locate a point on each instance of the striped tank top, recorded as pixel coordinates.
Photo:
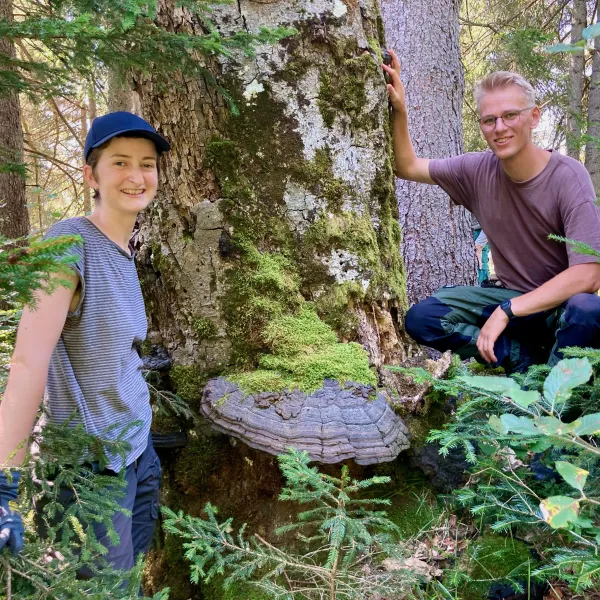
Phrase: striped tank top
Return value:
(95, 376)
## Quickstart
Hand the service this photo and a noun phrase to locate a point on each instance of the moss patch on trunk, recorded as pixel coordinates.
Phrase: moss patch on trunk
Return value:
(304, 352)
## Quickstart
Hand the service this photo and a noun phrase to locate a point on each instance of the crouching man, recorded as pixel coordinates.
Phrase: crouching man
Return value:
(519, 193)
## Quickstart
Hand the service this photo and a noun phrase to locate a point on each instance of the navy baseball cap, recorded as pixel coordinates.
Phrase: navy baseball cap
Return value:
(117, 123)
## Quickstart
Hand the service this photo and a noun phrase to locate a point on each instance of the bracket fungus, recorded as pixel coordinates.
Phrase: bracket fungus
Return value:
(332, 424)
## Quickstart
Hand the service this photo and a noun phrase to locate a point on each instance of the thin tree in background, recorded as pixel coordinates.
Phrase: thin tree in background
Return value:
(425, 35)
(592, 147)
(14, 218)
(576, 81)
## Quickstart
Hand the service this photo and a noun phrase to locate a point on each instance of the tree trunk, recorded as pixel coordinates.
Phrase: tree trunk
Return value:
(303, 172)
(119, 95)
(592, 147)
(289, 203)
(575, 114)
(14, 220)
(87, 198)
(437, 241)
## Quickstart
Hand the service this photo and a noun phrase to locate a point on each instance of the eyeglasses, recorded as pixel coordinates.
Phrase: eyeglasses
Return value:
(509, 118)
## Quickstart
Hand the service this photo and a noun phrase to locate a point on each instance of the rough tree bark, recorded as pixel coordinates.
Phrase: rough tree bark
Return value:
(14, 218)
(437, 242)
(592, 147)
(576, 77)
(292, 201)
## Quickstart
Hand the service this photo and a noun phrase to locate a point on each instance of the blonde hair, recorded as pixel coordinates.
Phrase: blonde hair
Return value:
(502, 79)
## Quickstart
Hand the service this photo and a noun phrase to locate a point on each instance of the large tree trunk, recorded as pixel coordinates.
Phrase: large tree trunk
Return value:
(437, 243)
(574, 115)
(592, 147)
(14, 218)
(304, 171)
(290, 201)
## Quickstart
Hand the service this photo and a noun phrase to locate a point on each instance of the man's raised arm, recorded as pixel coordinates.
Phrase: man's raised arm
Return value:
(407, 165)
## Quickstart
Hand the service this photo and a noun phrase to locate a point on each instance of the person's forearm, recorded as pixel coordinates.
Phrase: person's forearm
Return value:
(575, 280)
(19, 408)
(404, 152)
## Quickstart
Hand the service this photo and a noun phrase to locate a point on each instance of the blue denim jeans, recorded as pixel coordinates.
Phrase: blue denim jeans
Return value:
(452, 318)
(141, 498)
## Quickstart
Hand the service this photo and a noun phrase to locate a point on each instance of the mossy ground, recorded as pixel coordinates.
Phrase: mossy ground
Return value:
(489, 559)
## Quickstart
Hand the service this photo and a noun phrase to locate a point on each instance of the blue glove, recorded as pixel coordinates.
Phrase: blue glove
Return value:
(11, 525)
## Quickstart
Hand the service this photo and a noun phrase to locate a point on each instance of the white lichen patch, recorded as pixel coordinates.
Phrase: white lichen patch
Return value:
(343, 266)
(339, 9)
(301, 206)
(253, 89)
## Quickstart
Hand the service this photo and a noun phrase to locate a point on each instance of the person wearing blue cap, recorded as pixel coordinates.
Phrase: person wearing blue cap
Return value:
(81, 344)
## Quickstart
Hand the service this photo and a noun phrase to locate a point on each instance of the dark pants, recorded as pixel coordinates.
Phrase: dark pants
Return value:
(141, 499)
(452, 318)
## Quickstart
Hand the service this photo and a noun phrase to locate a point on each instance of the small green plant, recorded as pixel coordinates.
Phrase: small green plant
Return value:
(346, 541)
(532, 442)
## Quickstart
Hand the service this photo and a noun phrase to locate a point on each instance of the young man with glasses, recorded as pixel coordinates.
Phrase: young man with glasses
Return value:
(519, 193)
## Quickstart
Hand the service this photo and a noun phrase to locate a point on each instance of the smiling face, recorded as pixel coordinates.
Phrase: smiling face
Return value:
(125, 174)
(508, 141)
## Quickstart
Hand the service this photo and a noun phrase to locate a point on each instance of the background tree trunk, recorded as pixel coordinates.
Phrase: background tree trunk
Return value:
(119, 97)
(14, 218)
(437, 243)
(574, 113)
(592, 147)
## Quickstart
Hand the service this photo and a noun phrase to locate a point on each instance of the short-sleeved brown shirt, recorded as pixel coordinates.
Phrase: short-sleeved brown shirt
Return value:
(518, 217)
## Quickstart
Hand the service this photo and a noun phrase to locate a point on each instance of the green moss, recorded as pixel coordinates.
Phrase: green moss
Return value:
(188, 381)
(334, 307)
(433, 416)
(488, 559)
(205, 328)
(201, 458)
(304, 352)
(345, 91)
(414, 510)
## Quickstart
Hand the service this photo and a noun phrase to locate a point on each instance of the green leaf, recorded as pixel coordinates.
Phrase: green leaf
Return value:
(523, 397)
(559, 511)
(591, 32)
(521, 425)
(490, 384)
(540, 445)
(497, 425)
(573, 475)
(584, 522)
(565, 376)
(570, 48)
(587, 425)
(553, 426)
(488, 449)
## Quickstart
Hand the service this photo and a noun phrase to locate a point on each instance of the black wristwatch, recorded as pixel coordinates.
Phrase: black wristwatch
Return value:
(506, 307)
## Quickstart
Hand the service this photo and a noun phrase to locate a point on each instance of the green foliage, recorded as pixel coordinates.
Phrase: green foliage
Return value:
(47, 568)
(75, 39)
(24, 270)
(345, 538)
(511, 435)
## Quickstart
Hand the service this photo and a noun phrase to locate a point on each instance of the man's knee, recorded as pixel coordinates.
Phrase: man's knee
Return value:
(423, 321)
(584, 310)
